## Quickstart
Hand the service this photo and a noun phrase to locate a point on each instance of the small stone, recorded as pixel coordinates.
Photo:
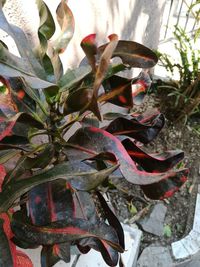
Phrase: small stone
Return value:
(153, 256)
(154, 224)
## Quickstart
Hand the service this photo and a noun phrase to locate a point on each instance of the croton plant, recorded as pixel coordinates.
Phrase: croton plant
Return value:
(55, 153)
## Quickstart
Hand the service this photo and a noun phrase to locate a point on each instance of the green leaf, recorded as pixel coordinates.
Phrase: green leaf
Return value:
(66, 21)
(47, 25)
(167, 231)
(72, 77)
(13, 66)
(23, 46)
(66, 170)
(7, 154)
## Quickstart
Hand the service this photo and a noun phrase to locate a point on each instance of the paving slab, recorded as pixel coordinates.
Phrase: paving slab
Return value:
(154, 224)
(196, 224)
(189, 245)
(155, 256)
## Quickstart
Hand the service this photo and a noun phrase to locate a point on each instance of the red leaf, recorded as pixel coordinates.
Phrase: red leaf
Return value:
(23, 260)
(6, 127)
(2, 175)
(103, 141)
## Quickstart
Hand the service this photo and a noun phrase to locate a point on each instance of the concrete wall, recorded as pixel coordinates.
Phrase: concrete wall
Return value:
(138, 20)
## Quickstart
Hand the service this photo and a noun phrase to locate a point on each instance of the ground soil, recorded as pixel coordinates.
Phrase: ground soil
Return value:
(129, 201)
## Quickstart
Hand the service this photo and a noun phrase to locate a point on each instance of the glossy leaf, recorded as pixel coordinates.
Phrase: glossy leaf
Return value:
(117, 91)
(14, 189)
(73, 77)
(55, 195)
(49, 256)
(88, 44)
(104, 141)
(112, 219)
(66, 21)
(125, 92)
(153, 162)
(13, 66)
(140, 87)
(23, 102)
(166, 187)
(63, 231)
(82, 100)
(28, 163)
(8, 107)
(7, 125)
(47, 25)
(143, 132)
(23, 46)
(133, 54)
(104, 63)
(78, 100)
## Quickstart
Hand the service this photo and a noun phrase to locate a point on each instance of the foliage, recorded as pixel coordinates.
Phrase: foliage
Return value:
(51, 172)
(185, 92)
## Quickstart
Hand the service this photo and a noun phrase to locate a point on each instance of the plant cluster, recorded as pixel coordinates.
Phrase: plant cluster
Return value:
(185, 92)
(51, 180)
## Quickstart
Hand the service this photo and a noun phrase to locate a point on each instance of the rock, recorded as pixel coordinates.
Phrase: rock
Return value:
(154, 224)
(153, 256)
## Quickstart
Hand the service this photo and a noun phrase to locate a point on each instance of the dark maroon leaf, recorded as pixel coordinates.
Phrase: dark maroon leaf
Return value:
(133, 54)
(104, 141)
(39, 206)
(63, 231)
(112, 219)
(5, 249)
(166, 187)
(126, 92)
(143, 132)
(49, 256)
(117, 91)
(50, 202)
(82, 100)
(109, 255)
(153, 162)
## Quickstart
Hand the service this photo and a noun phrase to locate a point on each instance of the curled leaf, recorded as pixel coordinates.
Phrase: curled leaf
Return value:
(88, 44)
(133, 54)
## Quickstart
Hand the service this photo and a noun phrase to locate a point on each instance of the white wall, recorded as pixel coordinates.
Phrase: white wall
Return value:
(137, 20)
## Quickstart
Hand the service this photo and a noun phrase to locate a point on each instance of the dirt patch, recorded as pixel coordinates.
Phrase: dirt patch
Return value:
(131, 204)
